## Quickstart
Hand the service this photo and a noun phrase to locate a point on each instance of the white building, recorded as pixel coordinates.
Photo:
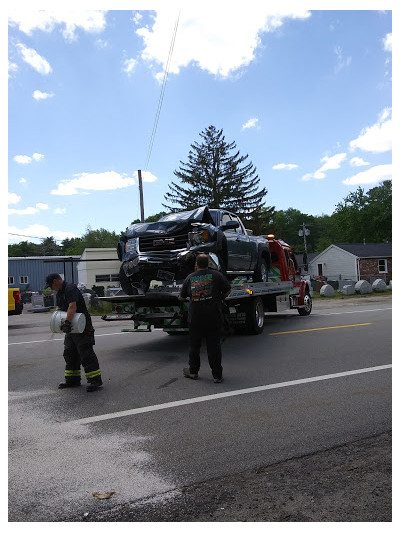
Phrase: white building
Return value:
(101, 267)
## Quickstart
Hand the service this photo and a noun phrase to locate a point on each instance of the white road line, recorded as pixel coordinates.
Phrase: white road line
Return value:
(179, 403)
(62, 338)
(350, 312)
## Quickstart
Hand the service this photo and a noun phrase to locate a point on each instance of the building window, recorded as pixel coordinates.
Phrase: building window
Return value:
(114, 277)
(23, 280)
(102, 277)
(382, 266)
(11, 280)
(319, 269)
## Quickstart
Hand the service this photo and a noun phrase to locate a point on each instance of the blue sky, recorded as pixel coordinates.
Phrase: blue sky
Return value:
(306, 94)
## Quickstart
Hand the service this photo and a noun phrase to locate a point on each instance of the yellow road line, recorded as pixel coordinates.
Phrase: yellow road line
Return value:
(319, 329)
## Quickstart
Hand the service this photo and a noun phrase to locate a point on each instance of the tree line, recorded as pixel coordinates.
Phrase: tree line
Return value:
(218, 176)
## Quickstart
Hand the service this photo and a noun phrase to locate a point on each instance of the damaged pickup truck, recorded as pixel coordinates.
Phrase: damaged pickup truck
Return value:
(166, 250)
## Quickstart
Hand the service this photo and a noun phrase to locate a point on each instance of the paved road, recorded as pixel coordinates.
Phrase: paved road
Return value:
(306, 384)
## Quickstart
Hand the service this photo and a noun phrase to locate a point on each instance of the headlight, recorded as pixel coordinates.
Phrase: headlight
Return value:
(199, 237)
(131, 245)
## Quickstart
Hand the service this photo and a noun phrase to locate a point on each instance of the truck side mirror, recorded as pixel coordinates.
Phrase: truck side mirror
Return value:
(231, 224)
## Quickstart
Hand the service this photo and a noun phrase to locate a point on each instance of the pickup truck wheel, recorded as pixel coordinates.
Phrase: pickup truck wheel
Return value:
(261, 271)
(124, 282)
(255, 316)
(306, 310)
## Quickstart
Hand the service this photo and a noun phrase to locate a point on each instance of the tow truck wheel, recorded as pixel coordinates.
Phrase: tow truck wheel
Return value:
(306, 310)
(255, 316)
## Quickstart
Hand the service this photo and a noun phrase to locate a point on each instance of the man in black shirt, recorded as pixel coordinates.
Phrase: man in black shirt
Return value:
(206, 289)
(78, 347)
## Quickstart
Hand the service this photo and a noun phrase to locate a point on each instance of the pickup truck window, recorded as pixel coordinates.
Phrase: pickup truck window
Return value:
(240, 229)
(226, 218)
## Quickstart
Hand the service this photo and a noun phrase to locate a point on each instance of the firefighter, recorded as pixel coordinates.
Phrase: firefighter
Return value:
(78, 347)
(206, 289)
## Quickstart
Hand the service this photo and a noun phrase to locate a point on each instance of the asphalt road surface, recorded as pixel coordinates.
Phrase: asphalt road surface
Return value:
(302, 418)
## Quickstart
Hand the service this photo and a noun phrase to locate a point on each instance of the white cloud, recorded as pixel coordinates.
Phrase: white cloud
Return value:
(387, 42)
(46, 20)
(13, 198)
(27, 159)
(251, 123)
(39, 95)
(220, 42)
(12, 67)
(23, 180)
(28, 210)
(372, 175)
(36, 61)
(285, 166)
(376, 138)
(358, 162)
(42, 207)
(103, 181)
(129, 66)
(342, 61)
(60, 211)
(147, 176)
(37, 231)
(330, 163)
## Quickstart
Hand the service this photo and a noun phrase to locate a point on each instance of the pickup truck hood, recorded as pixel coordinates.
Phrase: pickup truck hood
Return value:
(171, 223)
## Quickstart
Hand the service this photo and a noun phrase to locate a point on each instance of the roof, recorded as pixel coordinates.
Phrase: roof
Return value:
(43, 257)
(380, 249)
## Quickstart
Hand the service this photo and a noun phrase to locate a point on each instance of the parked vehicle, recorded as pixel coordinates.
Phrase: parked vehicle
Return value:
(15, 305)
(166, 250)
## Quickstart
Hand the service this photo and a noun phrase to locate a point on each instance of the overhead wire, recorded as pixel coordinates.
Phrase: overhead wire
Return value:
(161, 98)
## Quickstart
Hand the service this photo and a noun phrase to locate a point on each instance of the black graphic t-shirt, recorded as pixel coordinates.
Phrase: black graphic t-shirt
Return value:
(206, 289)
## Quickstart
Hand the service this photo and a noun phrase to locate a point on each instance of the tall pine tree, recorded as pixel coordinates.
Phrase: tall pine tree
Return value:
(215, 177)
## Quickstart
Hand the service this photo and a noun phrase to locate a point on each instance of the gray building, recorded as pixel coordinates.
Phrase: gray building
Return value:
(29, 273)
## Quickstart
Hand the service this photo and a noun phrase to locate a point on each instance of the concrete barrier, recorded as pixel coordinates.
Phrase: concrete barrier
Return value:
(379, 285)
(363, 287)
(327, 291)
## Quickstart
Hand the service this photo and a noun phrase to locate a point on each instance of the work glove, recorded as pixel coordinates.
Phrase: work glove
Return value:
(66, 327)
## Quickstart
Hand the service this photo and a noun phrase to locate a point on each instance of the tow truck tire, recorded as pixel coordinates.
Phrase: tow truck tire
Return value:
(255, 316)
(306, 310)
(261, 271)
(124, 282)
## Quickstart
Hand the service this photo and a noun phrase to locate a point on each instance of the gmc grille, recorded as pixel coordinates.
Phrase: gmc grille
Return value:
(162, 242)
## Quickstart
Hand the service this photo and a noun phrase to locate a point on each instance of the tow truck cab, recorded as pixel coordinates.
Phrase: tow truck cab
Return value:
(284, 265)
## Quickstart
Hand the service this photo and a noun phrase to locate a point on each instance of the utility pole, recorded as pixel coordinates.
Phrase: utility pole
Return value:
(141, 196)
(304, 232)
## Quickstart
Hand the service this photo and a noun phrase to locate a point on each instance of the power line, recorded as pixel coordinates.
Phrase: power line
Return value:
(160, 101)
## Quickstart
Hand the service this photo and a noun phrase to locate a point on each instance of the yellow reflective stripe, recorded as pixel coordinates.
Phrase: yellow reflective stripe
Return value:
(72, 372)
(93, 374)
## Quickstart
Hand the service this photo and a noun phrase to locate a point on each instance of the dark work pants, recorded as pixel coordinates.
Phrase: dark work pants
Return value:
(78, 350)
(208, 329)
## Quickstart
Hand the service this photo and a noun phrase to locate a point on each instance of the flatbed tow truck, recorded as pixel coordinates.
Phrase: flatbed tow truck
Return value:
(245, 307)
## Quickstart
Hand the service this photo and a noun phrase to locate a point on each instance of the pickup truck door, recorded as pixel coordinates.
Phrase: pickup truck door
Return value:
(239, 251)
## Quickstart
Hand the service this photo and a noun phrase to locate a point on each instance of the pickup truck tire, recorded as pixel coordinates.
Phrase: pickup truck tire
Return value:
(126, 285)
(255, 316)
(306, 310)
(261, 271)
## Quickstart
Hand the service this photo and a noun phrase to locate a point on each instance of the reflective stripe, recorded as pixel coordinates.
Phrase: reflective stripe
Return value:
(93, 374)
(71, 373)
(274, 274)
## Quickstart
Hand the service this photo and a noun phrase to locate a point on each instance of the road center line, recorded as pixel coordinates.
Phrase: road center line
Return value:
(200, 399)
(319, 329)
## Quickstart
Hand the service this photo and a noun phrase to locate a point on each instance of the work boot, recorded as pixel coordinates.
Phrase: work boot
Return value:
(69, 384)
(188, 374)
(94, 385)
(218, 380)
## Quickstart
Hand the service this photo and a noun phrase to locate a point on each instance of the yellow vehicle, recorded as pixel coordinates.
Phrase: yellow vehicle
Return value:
(15, 304)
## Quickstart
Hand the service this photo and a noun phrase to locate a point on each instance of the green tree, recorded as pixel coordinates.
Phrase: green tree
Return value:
(151, 218)
(49, 246)
(23, 249)
(216, 177)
